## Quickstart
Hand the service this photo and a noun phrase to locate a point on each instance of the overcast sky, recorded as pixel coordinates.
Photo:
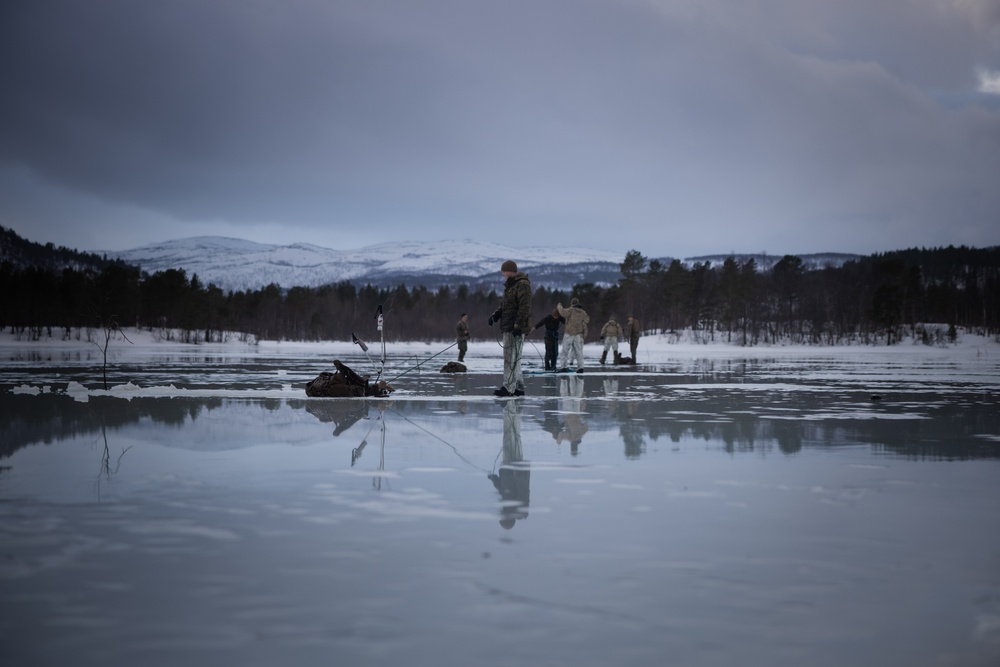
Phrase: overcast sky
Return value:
(673, 127)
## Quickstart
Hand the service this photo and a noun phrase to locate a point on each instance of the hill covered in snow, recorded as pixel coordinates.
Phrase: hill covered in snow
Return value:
(237, 264)
(234, 264)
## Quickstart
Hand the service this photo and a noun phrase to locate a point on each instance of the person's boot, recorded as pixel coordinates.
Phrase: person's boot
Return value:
(604, 357)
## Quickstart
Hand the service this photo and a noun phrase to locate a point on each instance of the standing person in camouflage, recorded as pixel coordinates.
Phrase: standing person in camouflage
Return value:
(610, 334)
(462, 336)
(514, 316)
(577, 320)
(633, 336)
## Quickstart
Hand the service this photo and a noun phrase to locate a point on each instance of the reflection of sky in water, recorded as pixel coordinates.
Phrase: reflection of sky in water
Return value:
(700, 513)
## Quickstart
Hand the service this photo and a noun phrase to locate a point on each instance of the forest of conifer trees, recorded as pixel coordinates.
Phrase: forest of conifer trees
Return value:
(928, 294)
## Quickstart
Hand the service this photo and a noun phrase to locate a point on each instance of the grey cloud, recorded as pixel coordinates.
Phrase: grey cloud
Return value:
(677, 124)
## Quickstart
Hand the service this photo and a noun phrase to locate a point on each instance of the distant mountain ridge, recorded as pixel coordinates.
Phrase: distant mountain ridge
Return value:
(236, 264)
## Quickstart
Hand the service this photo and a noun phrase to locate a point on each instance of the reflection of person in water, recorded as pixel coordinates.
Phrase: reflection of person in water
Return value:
(513, 477)
(550, 423)
(571, 406)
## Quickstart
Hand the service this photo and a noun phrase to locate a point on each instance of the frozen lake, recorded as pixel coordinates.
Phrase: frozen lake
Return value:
(710, 506)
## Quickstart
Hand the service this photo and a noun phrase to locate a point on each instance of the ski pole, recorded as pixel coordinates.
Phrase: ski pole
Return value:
(422, 362)
(379, 325)
(431, 357)
(360, 343)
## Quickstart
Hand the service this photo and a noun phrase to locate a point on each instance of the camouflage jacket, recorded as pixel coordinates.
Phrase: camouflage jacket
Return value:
(515, 310)
(577, 320)
(633, 328)
(611, 330)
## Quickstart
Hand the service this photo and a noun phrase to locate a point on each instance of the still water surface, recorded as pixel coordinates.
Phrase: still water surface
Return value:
(688, 512)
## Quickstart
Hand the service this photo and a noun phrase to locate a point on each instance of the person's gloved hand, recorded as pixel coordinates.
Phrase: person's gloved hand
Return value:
(490, 321)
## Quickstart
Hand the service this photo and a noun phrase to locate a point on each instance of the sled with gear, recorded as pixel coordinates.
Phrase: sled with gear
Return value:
(345, 383)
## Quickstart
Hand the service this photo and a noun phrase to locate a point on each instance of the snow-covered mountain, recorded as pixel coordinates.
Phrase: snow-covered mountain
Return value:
(235, 264)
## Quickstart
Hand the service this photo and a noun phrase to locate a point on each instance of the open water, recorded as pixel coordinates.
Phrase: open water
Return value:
(688, 511)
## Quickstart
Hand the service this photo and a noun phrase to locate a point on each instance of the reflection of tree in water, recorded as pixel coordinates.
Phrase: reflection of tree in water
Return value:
(178, 412)
(107, 467)
(789, 436)
(631, 427)
(272, 404)
(513, 478)
(28, 419)
(740, 432)
(625, 411)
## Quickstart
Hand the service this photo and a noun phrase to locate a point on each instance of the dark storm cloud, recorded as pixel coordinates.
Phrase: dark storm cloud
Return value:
(677, 127)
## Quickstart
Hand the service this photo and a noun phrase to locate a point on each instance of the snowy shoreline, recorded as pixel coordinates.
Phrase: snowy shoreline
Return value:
(652, 348)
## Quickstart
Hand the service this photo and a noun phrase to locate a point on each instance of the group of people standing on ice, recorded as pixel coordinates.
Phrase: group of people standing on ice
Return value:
(514, 318)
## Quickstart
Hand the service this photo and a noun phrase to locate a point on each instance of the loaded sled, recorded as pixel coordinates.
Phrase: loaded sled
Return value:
(345, 383)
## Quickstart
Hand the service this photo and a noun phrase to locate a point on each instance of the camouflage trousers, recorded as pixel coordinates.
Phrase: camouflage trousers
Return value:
(513, 347)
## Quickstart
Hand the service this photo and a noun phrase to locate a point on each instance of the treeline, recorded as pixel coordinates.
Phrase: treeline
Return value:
(21, 252)
(873, 300)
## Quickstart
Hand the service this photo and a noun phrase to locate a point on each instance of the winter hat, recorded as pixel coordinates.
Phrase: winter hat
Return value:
(509, 265)
(574, 301)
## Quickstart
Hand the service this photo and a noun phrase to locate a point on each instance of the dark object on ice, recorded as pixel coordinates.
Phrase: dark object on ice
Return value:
(454, 367)
(345, 383)
(876, 397)
(620, 360)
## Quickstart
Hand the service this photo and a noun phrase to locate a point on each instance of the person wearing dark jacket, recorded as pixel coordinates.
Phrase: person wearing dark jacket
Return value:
(514, 317)
(634, 331)
(551, 323)
(462, 336)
